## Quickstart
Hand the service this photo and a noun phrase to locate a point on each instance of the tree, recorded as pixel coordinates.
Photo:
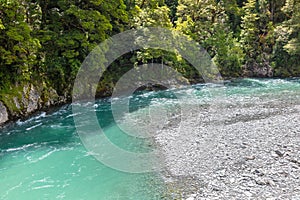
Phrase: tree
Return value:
(172, 5)
(150, 15)
(207, 23)
(286, 52)
(256, 36)
(250, 30)
(71, 29)
(19, 46)
(292, 8)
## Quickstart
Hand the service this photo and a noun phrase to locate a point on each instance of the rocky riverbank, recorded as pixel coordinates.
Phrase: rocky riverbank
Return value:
(22, 101)
(241, 147)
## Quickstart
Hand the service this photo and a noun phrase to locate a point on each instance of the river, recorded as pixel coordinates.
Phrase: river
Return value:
(43, 158)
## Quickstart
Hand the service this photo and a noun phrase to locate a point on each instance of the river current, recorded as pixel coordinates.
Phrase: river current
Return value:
(43, 157)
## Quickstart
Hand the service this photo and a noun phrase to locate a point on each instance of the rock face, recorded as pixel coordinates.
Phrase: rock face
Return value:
(27, 100)
(33, 100)
(3, 113)
(254, 70)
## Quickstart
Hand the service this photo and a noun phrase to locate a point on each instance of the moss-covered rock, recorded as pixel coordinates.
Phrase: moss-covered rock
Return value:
(3, 113)
(22, 100)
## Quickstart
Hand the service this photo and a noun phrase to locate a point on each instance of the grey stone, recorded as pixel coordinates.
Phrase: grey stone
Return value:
(33, 100)
(261, 137)
(3, 113)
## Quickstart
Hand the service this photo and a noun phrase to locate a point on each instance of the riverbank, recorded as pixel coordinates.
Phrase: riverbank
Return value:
(22, 101)
(25, 100)
(243, 146)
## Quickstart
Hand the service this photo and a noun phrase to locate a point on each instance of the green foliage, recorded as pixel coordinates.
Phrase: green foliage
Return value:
(172, 5)
(250, 31)
(287, 47)
(292, 8)
(152, 15)
(72, 30)
(257, 37)
(229, 55)
(207, 23)
(48, 40)
(19, 47)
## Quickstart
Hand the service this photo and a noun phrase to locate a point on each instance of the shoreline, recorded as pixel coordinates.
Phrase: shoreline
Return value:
(53, 101)
(236, 149)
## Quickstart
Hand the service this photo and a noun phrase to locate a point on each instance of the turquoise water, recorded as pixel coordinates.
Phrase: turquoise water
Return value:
(43, 157)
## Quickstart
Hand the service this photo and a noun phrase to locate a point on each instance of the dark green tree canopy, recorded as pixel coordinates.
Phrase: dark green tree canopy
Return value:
(47, 41)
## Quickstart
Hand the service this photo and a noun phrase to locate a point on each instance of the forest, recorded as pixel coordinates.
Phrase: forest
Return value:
(44, 42)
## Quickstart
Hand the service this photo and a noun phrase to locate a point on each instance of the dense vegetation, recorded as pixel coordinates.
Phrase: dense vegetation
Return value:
(45, 41)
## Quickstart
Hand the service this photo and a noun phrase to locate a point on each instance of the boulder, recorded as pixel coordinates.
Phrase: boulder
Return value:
(3, 113)
(33, 100)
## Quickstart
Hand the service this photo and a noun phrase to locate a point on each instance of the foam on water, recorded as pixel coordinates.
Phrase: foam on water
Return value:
(43, 157)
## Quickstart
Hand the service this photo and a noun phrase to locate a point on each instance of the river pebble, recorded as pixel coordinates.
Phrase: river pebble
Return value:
(242, 149)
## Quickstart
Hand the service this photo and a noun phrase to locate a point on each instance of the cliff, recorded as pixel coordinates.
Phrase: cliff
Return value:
(21, 101)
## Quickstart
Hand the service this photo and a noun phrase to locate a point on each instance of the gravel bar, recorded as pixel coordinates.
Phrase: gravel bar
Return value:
(239, 148)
